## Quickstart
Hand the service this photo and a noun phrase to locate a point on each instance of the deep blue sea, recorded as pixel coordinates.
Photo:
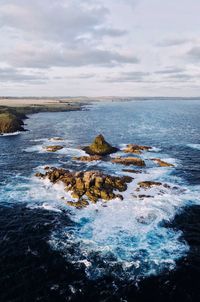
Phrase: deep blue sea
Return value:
(138, 249)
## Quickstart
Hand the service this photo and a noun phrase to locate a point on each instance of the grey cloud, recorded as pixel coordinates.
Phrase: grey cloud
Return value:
(194, 54)
(173, 42)
(38, 57)
(170, 70)
(180, 77)
(62, 21)
(168, 76)
(17, 76)
(134, 76)
(58, 33)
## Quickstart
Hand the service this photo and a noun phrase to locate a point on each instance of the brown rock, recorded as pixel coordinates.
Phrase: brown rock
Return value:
(82, 203)
(100, 147)
(162, 163)
(127, 161)
(53, 148)
(93, 184)
(40, 175)
(137, 149)
(88, 158)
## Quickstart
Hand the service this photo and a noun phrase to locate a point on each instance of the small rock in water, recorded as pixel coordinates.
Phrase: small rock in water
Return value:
(132, 171)
(88, 158)
(53, 148)
(149, 184)
(127, 161)
(162, 163)
(137, 149)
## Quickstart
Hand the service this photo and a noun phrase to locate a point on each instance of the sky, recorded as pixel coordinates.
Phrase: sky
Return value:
(99, 48)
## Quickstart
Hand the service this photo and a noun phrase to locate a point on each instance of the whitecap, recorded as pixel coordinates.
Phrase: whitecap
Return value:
(194, 146)
(10, 134)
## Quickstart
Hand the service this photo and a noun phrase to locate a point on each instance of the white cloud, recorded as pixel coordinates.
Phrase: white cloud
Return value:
(96, 44)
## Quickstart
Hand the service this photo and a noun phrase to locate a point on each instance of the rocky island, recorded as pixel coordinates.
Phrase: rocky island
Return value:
(87, 187)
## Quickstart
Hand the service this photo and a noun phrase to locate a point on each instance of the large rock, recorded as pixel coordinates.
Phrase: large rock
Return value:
(162, 163)
(127, 161)
(89, 185)
(137, 149)
(100, 147)
(10, 123)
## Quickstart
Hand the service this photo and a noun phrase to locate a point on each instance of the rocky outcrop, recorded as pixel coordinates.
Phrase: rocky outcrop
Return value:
(127, 161)
(88, 158)
(100, 147)
(162, 163)
(53, 148)
(136, 149)
(88, 186)
(10, 123)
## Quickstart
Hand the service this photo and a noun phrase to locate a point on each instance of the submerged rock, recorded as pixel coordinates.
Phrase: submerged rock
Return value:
(132, 171)
(149, 184)
(162, 163)
(137, 149)
(100, 147)
(88, 158)
(89, 185)
(127, 161)
(53, 148)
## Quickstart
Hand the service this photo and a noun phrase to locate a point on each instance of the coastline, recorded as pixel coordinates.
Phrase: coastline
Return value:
(13, 111)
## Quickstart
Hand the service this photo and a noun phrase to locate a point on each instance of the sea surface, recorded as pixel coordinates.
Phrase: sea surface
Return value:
(138, 249)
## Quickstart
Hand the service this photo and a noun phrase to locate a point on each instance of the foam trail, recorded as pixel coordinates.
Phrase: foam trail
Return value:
(10, 134)
(194, 146)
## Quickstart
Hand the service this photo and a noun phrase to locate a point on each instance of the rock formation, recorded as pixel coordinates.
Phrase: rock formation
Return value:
(88, 186)
(100, 147)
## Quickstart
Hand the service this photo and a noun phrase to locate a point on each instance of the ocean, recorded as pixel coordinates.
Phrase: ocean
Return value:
(138, 249)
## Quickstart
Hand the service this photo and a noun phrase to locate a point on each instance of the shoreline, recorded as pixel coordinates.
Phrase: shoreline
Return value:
(13, 111)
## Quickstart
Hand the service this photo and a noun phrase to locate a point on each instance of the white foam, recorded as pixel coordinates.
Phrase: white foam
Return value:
(194, 146)
(129, 235)
(10, 134)
(130, 230)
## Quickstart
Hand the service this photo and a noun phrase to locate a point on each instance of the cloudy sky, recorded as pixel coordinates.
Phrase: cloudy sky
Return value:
(100, 47)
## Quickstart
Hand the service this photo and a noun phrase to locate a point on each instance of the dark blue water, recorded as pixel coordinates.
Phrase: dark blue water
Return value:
(50, 252)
